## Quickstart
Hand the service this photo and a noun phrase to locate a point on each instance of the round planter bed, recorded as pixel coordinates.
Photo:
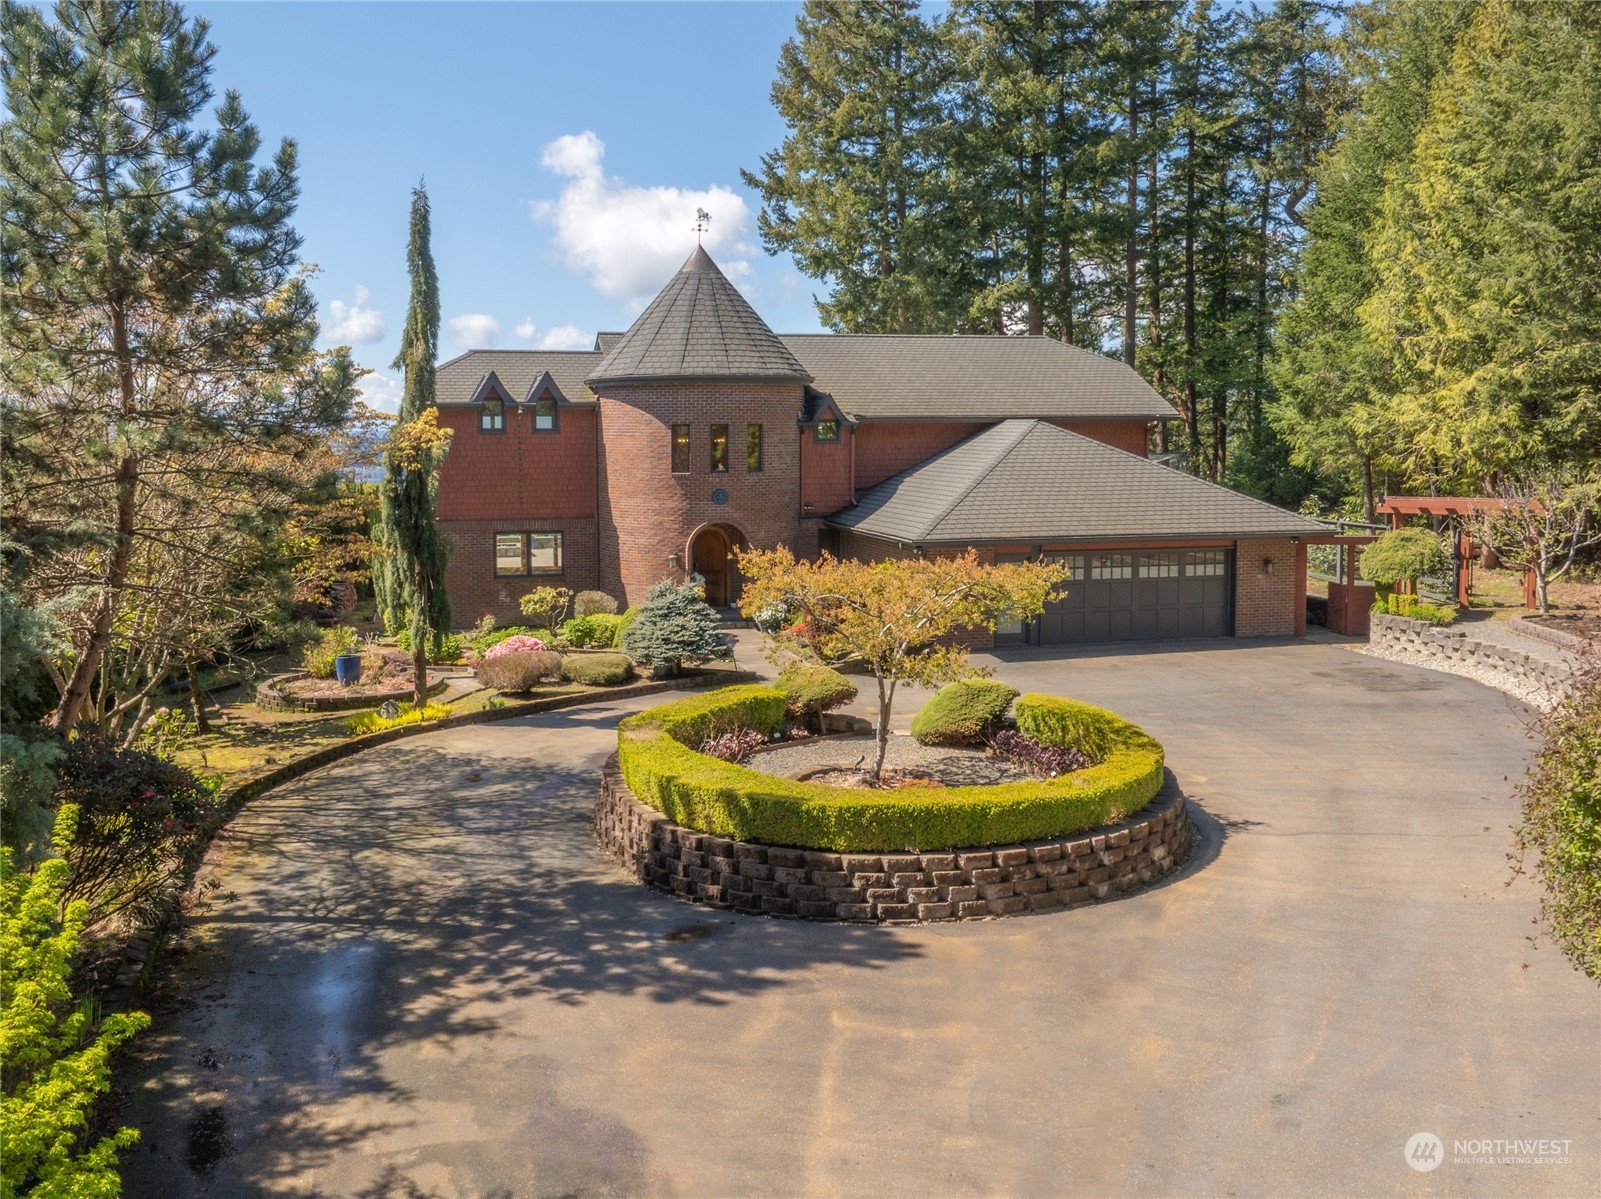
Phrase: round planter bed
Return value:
(726, 835)
(277, 694)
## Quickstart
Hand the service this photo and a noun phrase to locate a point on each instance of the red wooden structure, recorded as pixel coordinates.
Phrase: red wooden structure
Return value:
(1454, 508)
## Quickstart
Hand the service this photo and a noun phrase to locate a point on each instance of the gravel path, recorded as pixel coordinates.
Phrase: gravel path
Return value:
(958, 767)
(1491, 631)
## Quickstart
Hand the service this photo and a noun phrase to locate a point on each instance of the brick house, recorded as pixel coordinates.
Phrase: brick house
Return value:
(699, 431)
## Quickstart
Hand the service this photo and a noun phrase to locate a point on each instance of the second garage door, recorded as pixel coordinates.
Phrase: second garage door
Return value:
(1140, 595)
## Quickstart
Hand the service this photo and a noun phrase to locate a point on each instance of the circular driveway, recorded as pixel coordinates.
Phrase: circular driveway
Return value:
(417, 976)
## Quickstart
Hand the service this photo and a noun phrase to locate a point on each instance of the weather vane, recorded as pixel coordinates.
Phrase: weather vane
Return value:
(703, 223)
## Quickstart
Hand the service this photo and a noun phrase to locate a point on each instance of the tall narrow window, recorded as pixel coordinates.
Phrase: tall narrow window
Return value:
(827, 430)
(719, 449)
(545, 415)
(493, 417)
(753, 447)
(509, 558)
(680, 449)
(544, 553)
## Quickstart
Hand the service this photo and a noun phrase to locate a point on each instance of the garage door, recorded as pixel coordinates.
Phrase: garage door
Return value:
(1140, 595)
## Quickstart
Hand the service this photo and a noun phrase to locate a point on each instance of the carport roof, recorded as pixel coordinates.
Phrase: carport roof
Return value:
(1026, 481)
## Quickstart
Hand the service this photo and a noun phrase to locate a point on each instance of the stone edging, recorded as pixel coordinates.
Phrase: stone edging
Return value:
(964, 884)
(1447, 649)
(141, 952)
(1562, 640)
(271, 697)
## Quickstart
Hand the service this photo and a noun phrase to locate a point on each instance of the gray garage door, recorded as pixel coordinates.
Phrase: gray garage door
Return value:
(1138, 595)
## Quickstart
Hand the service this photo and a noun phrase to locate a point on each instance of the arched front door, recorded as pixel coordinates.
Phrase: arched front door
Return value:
(711, 555)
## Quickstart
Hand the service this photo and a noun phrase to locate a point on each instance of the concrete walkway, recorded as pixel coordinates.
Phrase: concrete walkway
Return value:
(417, 977)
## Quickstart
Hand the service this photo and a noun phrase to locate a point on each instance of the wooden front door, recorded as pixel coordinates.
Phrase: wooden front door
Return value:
(709, 558)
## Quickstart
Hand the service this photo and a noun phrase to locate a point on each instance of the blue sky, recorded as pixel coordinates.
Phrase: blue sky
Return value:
(566, 148)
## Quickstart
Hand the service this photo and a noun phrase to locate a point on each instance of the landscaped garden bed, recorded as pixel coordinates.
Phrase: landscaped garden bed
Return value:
(663, 804)
(300, 691)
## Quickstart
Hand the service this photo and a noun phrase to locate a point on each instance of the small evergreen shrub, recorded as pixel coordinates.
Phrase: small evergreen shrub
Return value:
(56, 1052)
(519, 670)
(594, 603)
(586, 632)
(596, 670)
(963, 713)
(1403, 555)
(140, 821)
(675, 626)
(318, 657)
(624, 623)
(1055, 721)
(812, 690)
(374, 722)
(1561, 826)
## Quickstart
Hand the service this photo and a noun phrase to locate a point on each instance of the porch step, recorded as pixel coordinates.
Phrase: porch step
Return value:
(730, 618)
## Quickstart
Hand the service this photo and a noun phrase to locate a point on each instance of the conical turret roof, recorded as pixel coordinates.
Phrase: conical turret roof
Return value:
(699, 327)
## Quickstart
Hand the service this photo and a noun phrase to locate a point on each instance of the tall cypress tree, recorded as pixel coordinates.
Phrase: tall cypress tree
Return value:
(409, 576)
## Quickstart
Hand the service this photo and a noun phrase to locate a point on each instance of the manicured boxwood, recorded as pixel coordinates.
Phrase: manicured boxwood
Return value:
(597, 670)
(728, 800)
(813, 690)
(963, 713)
(1051, 720)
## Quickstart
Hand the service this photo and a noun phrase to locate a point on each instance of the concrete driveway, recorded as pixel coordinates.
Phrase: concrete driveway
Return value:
(417, 977)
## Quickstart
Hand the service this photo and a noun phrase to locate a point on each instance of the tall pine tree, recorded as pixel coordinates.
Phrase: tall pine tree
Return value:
(160, 363)
(409, 575)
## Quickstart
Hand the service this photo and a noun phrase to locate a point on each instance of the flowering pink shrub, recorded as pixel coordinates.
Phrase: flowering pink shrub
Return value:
(516, 645)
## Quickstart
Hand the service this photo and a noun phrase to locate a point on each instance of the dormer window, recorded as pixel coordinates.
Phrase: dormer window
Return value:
(492, 417)
(544, 415)
(827, 430)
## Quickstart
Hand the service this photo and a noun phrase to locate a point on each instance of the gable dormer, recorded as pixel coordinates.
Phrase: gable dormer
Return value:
(545, 400)
(491, 399)
(823, 416)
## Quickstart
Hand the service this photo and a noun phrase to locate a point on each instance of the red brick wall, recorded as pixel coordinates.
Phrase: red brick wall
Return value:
(1269, 604)
(470, 578)
(647, 513)
(885, 449)
(1129, 435)
(825, 472)
(517, 473)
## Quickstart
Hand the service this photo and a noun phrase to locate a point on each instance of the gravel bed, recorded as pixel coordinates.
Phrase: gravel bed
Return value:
(1499, 632)
(1536, 697)
(954, 767)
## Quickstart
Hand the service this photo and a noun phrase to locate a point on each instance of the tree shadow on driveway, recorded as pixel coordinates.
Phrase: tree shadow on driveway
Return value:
(410, 904)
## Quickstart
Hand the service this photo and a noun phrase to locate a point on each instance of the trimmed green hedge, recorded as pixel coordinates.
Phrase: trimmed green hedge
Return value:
(598, 670)
(700, 792)
(962, 713)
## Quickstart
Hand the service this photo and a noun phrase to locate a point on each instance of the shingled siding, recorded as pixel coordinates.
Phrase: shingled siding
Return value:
(1269, 603)
(1130, 436)
(825, 472)
(647, 513)
(475, 589)
(885, 449)
(516, 473)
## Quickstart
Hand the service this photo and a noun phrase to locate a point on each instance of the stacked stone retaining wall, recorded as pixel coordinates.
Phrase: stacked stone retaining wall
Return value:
(1527, 676)
(963, 884)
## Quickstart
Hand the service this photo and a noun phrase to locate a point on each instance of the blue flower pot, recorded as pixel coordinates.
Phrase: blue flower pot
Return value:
(347, 669)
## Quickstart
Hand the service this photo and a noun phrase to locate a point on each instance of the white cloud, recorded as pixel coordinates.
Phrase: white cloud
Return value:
(352, 324)
(566, 337)
(562, 337)
(627, 241)
(473, 330)
(381, 391)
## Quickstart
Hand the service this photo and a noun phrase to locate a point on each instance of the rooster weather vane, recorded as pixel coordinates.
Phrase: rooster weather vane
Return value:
(703, 223)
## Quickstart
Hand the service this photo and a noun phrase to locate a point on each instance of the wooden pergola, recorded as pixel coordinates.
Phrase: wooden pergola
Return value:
(1455, 508)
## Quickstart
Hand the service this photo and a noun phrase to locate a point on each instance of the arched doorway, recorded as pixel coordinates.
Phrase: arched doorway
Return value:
(711, 555)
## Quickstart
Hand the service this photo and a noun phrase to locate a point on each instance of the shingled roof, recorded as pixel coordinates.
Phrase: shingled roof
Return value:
(698, 327)
(943, 377)
(458, 380)
(1025, 481)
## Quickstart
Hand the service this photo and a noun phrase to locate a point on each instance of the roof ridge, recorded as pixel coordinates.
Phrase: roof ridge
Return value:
(1027, 427)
